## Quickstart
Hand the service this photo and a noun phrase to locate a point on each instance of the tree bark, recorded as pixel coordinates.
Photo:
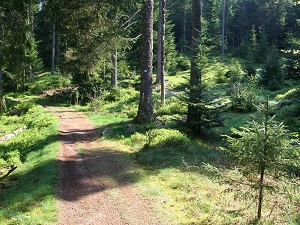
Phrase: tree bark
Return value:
(114, 76)
(57, 50)
(159, 45)
(163, 54)
(223, 32)
(160, 78)
(193, 116)
(53, 50)
(1, 61)
(145, 109)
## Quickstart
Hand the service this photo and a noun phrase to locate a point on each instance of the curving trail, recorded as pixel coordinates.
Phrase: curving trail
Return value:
(94, 184)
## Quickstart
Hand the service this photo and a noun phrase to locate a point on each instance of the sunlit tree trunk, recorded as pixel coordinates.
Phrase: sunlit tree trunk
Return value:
(53, 50)
(114, 77)
(161, 36)
(160, 78)
(57, 50)
(145, 109)
(1, 59)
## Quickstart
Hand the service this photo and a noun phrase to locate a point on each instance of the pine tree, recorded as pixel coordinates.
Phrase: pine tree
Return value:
(264, 148)
(194, 112)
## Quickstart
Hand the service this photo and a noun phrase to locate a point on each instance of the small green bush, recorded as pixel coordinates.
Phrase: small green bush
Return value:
(162, 138)
(245, 96)
(183, 63)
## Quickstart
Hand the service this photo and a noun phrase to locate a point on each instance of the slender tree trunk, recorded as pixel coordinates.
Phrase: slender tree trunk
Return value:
(53, 50)
(193, 116)
(159, 45)
(145, 109)
(223, 32)
(163, 55)
(260, 194)
(57, 51)
(262, 170)
(114, 77)
(1, 61)
(184, 29)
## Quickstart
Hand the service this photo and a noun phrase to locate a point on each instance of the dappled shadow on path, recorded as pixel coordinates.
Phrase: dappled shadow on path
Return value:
(91, 172)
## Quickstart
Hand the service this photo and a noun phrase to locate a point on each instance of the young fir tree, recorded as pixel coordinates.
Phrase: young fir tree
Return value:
(265, 149)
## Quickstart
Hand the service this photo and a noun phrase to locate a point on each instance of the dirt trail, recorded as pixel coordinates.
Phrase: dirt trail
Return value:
(95, 186)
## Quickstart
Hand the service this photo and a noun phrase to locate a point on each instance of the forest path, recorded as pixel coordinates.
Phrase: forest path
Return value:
(94, 184)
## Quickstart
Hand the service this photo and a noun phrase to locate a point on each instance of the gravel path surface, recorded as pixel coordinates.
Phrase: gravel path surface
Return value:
(94, 181)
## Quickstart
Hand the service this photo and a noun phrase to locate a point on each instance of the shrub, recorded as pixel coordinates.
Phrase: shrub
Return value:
(183, 63)
(235, 72)
(245, 96)
(161, 138)
(160, 146)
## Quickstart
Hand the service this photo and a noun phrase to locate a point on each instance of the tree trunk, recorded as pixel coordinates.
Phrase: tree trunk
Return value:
(160, 78)
(183, 46)
(260, 194)
(223, 32)
(53, 50)
(57, 51)
(163, 55)
(114, 76)
(1, 60)
(193, 116)
(159, 45)
(145, 109)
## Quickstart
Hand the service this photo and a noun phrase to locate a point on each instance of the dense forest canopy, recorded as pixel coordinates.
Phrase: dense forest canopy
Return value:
(84, 34)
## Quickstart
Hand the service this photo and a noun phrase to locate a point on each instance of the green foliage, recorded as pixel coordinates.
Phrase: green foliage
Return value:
(264, 148)
(273, 76)
(113, 95)
(157, 145)
(183, 63)
(235, 72)
(288, 108)
(244, 96)
(263, 142)
(14, 151)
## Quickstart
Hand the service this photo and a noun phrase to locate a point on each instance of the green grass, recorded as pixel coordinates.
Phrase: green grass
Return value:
(29, 196)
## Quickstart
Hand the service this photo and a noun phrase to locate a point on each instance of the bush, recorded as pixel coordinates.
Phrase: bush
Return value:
(161, 138)
(235, 72)
(160, 147)
(183, 63)
(245, 96)
(14, 151)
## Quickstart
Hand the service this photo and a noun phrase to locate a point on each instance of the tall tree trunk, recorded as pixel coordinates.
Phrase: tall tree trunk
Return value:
(223, 32)
(57, 50)
(193, 116)
(1, 60)
(161, 52)
(114, 76)
(159, 45)
(145, 109)
(53, 50)
(183, 46)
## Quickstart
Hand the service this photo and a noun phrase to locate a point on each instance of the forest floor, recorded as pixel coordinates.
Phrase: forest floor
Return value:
(95, 185)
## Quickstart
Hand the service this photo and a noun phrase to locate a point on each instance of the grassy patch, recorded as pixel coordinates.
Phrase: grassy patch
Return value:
(29, 193)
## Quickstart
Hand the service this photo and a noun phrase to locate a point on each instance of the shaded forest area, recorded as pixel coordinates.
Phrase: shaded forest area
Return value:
(201, 89)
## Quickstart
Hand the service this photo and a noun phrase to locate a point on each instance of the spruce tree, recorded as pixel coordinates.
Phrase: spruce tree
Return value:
(265, 149)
